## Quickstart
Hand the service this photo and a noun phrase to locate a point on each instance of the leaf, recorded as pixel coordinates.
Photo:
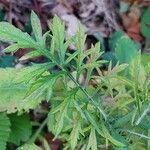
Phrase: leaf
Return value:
(123, 120)
(120, 138)
(74, 135)
(51, 122)
(145, 58)
(29, 147)
(11, 92)
(80, 38)
(145, 24)
(71, 57)
(116, 69)
(31, 73)
(58, 32)
(12, 48)
(36, 26)
(145, 123)
(110, 138)
(114, 39)
(94, 123)
(4, 130)
(9, 33)
(45, 143)
(92, 143)
(30, 55)
(92, 65)
(79, 42)
(38, 91)
(125, 50)
(137, 72)
(57, 116)
(110, 56)
(20, 128)
(138, 145)
(60, 121)
(79, 109)
(15, 85)
(145, 111)
(136, 134)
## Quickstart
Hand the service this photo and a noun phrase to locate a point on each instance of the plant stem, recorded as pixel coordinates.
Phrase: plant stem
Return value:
(88, 96)
(136, 134)
(34, 137)
(82, 89)
(107, 144)
(148, 142)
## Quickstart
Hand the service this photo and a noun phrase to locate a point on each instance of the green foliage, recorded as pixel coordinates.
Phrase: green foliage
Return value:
(4, 130)
(115, 38)
(110, 56)
(29, 147)
(9, 101)
(145, 24)
(104, 110)
(122, 49)
(20, 128)
(36, 26)
(92, 140)
(125, 50)
(145, 59)
(11, 34)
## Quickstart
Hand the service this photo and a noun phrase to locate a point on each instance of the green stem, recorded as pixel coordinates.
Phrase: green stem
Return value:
(148, 142)
(136, 134)
(39, 130)
(82, 89)
(88, 96)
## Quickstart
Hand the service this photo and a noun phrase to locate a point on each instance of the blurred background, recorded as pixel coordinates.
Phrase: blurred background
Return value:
(101, 19)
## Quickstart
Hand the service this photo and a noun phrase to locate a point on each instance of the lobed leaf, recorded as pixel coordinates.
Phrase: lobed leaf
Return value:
(9, 33)
(36, 26)
(74, 135)
(20, 129)
(4, 130)
(125, 50)
(92, 143)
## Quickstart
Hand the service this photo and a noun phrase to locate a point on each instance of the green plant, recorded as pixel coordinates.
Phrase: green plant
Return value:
(106, 110)
(122, 48)
(145, 28)
(145, 23)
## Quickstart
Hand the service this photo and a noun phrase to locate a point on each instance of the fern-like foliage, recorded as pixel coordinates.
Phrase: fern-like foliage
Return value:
(102, 109)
